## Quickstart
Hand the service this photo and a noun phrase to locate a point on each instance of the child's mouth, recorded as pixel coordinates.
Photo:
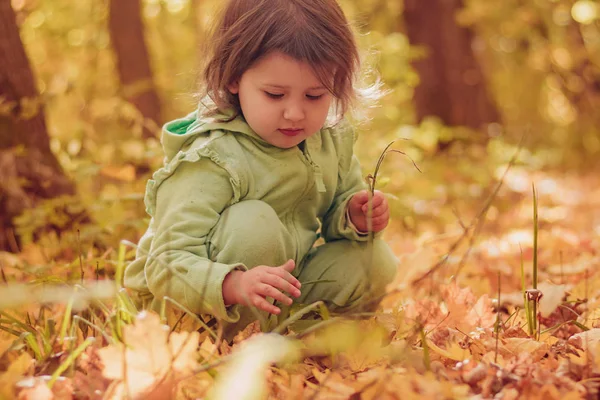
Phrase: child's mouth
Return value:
(291, 132)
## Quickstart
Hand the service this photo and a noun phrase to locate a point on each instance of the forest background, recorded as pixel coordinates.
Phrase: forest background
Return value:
(485, 97)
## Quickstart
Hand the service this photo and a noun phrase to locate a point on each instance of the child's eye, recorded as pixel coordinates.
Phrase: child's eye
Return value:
(274, 95)
(310, 97)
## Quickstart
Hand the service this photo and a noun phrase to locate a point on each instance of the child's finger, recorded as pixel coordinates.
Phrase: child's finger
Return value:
(289, 265)
(378, 199)
(285, 274)
(281, 284)
(375, 206)
(264, 305)
(380, 222)
(269, 291)
(361, 197)
(382, 209)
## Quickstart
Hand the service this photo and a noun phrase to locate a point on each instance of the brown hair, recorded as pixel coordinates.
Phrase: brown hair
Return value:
(311, 31)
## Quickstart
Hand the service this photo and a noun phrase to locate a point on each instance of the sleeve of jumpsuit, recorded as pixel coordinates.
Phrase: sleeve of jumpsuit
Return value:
(335, 224)
(188, 206)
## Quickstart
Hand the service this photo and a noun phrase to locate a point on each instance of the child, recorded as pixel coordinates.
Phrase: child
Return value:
(258, 169)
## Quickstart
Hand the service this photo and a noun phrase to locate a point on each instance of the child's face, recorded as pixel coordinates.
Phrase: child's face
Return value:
(282, 100)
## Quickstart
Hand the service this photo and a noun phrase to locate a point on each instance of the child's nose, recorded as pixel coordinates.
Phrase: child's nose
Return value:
(294, 113)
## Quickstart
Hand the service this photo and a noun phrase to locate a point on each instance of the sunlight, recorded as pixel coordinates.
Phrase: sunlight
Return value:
(175, 6)
(508, 244)
(584, 11)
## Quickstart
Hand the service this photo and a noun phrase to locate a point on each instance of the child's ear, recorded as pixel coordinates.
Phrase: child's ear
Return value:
(234, 88)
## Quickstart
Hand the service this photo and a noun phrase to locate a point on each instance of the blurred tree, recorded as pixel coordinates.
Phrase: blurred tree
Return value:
(133, 63)
(452, 86)
(29, 171)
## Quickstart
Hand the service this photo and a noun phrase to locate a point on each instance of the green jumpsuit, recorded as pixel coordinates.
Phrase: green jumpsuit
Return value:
(225, 199)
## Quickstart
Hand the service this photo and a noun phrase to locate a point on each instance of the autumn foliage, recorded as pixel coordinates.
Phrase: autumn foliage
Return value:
(490, 302)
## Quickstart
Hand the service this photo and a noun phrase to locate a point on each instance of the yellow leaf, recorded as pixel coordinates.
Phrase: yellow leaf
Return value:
(152, 357)
(586, 340)
(536, 349)
(453, 351)
(208, 350)
(16, 371)
(39, 392)
(552, 298)
(244, 377)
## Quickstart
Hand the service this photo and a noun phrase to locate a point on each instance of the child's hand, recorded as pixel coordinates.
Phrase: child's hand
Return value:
(358, 210)
(250, 288)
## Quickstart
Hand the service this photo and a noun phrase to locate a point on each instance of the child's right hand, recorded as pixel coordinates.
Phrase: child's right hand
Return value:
(250, 288)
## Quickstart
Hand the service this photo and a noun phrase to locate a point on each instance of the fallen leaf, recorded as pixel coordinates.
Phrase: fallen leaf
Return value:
(36, 388)
(39, 391)
(482, 314)
(15, 372)
(585, 340)
(244, 376)
(516, 346)
(153, 358)
(552, 298)
(208, 350)
(453, 351)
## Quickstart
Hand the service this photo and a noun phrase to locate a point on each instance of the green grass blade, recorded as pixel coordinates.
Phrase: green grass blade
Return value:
(120, 269)
(191, 314)
(63, 367)
(31, 341)
(525, 301)
(67, 317)
(296, 317)
(535, 237)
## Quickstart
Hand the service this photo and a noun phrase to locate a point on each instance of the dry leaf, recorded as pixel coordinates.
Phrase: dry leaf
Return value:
(332, 386)
(458, 301)
(39, 391)
(587, 339)
(244, 376)
(552, 298)
(36, 388)
(516, 346)
(16, 371)
(453, 351)
(208, 350)
(153, 358)
(482, 314)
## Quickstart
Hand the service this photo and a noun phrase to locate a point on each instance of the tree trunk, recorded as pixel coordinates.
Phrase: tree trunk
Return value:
(133, 62)
(29, 172)
(452, 83)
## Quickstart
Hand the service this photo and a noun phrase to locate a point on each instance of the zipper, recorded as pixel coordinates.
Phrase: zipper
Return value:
(318, 182)
(316, 170)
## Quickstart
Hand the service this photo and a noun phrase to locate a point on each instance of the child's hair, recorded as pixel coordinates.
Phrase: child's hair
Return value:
(312, 31)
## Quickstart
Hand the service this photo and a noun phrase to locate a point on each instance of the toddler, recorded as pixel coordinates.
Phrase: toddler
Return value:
(260, 171)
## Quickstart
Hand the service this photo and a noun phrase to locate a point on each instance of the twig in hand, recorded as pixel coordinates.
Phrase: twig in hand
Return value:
(372, 179)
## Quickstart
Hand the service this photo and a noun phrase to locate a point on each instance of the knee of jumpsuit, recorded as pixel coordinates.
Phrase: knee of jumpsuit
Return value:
(250, 232)
(383, 269)
(362, 271)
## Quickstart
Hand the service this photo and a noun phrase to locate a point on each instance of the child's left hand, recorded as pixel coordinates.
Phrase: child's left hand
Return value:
(358, 211)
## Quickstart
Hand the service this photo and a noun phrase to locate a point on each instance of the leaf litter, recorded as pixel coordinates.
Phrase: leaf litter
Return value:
(448, 336)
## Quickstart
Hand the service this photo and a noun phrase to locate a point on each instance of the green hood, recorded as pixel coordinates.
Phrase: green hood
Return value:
(178, 135)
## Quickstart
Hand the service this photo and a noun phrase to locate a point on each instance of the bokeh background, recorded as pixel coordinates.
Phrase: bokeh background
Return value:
(468, 83)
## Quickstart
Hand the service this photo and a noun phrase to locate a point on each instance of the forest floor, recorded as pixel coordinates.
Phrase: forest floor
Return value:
(440, 331)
